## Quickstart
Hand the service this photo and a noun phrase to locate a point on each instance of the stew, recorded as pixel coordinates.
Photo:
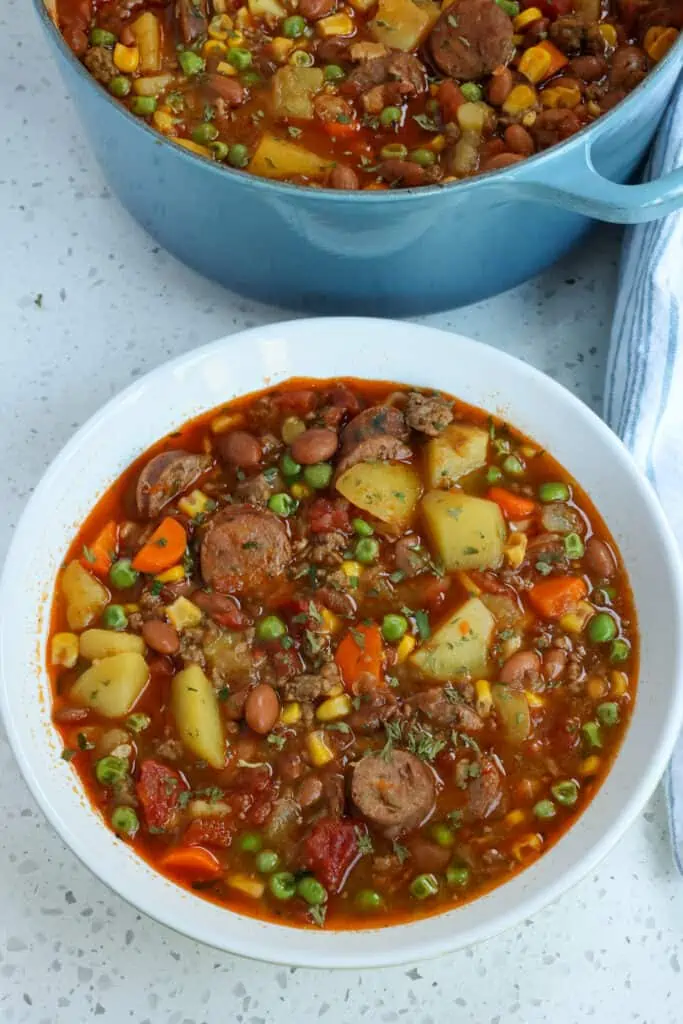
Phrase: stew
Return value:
(370, 94)
(342, 653)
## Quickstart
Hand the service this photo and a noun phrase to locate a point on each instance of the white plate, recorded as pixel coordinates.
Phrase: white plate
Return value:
(379, 349)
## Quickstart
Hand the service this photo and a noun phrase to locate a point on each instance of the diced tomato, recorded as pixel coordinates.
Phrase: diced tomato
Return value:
(435, 593)
(252, 795)
(299, 401)
(550, 8)
(342, 399)
(487, 582)
(216, 832)
(231, 617)
(325, 516)
(159, 788)
(287, 663)
(331, 851)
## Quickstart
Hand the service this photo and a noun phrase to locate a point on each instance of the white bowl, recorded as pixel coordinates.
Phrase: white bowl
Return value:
(377, 349)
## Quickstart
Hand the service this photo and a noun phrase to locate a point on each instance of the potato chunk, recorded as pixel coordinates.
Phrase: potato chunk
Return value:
(459, 450)
(277, 158)
(460, 647)
(112, 686)
(466, 532)
(293, 91)
(95, 644)
(512, 708)
(403, 24)
(195, 708)
(386, 490)
(85, 596)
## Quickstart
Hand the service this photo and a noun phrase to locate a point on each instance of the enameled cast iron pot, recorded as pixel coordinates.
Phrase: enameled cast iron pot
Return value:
(388, 253)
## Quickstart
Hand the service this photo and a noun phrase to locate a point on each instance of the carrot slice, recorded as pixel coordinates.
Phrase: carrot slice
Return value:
(360, 651)
(557, 59)
(513, 506)
(195, 863)
(552, 598)
(341, 129)
(164, 548)
(99, 556)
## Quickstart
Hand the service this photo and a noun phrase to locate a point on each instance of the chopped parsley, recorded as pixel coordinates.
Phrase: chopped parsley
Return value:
(398, 576)
(422, 623)
(83, 742)
(276, 740)
(68, 754)
(89, 554)
(318, 914)
(455, 818)
(364, 841)
(358, 637)
(338, 727)
(401, 852)
(156, 588)
(224, 693)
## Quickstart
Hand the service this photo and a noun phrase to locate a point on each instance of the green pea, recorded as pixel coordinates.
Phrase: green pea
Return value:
(294, 26)
(270, 628)
(138, 722)
(125, 821)
(114, 617)
(250, 842)
(205, 133)
(493, 475)
(367, 550)
(191, 63)
(394, 627)
(333, 73)
(513, 466)
(591, 733)
(289, 467)
(442, 834)
(120, 86)
(511, 7)
(110, 769)
(122, 574)
(602, 628)
(143, 106)
(250, 78)
(100, 37)
(311, 890)
(267, 861)
(573, 546)
(394, 151)
(566, 792)
(220, 150)
(457, 874)
(553, 491)
(619, 651)
(471, 91)
(282, 885)
(238, 155)
(362, 528)
(282, 504)
(368, 899)
(318, 476)
(608, 713)
(545, 809)
(423, 886)
(423, 157)
(390, 116)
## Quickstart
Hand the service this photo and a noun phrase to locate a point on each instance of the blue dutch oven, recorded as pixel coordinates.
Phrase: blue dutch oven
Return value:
(390, 253)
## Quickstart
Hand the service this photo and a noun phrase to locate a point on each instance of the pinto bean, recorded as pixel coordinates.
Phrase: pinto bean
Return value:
(520, 668)
(262, 709)
(589, 69)
(554, 662)
(311, 789)
(239, 448)
(518, 140)
(599, 559)
(315, 445)
(160, 636)
(315, 9)
(499, 87)
(501, 160)
(344, 178)
(229, 89)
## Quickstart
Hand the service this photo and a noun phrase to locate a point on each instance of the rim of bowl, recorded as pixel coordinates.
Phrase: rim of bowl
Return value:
(576, 141)
(278, 940)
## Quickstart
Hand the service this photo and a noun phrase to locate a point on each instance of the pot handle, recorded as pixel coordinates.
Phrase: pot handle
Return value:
(582, 189)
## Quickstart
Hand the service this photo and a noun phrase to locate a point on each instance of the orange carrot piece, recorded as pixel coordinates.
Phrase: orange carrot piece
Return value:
(164, 548)
(552, 598)
(195, 863)
(513, 506)
(557, 59)
(341, 129)
(360, 651)
(98, 556)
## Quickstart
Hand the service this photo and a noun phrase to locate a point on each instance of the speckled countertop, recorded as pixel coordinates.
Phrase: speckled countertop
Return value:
(88, 302)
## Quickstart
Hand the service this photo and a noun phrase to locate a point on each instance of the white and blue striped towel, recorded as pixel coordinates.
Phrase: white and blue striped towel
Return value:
(644, 382)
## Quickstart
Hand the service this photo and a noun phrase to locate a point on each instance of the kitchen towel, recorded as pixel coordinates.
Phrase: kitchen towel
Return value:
(644, 381)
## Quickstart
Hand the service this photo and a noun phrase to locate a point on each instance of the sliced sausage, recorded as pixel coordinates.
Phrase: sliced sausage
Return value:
(429, 414)
(404, 72)
(381, 448)
(378, 419)
(243, 549)
(395, 794)
(435, 705)
(193, 20)
(599, 559)
(165, 477)
(485, 792)
(470, 42)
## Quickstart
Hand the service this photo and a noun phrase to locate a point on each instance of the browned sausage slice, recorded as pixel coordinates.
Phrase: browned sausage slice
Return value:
(381, 448)
(165, 477)
(378, 419)
(471, 40)
(396, 794)
(435, 705)
(243, 549)
(193, 20)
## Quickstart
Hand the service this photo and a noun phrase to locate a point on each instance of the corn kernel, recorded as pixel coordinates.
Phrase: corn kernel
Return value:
(527, 846)
(253, 887)
(561, 97)
(535, 63)
(529, 118)
(659, 40)
(609, 34)
(528, 451)
(438, 143)
(215, 48)
(534, 700)
(333, 708)
(300, 491)
(335, 25)
(335, 691)
(596, 687)
(525, 18)
(318, 749)
(576, 621)
(280, 48)
(517, 39)
(193, 147)
(220, 27)
(196, 503)
(405, 648)
(227, 421)
(64, 650)
(164, 122)
(183, 614)
(590, 765)
(131, 608)
(331, 622)
(126, 58)
(593, 108)
(292, 428)
(472, 117)
(520, 99)
(515, 817)
(352, 570)
(173, 575)
(484, 700)
(468, 583)
(515, 549)
(243, 18)
(236, 39)
(619, 681)
(227, 70)
(433, 89)
(291, 713)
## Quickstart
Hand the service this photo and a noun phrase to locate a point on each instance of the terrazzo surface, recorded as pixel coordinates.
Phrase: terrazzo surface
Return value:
(87, 303)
